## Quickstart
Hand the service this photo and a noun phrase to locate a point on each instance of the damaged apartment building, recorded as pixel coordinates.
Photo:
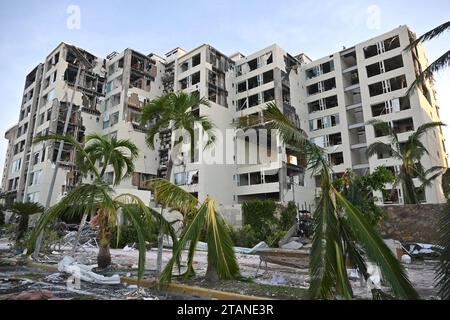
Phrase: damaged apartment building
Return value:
(331, 99)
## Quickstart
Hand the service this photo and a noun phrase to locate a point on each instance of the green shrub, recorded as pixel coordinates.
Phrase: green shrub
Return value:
(245, 237)
(288, 216)
(259, 213)
(128, 235)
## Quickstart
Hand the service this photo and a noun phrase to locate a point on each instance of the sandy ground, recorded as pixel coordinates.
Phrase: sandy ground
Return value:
(421, 273)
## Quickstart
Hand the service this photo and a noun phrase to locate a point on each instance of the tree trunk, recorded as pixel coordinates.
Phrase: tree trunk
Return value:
(161, 232)
(22, 226)
(104, 256)
(105, 234)
(211, 274)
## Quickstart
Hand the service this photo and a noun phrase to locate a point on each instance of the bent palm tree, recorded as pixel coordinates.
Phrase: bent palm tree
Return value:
(222, 263)
(175, 111)
(97, 198)
(338, 227)
(439, 64)
(409, 153)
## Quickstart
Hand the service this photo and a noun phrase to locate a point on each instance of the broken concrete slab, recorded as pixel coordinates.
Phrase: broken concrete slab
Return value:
(293, 245)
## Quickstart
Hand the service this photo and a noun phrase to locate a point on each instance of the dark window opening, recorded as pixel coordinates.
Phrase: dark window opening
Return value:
(269, 95)
(329, 84)
(253, 64)
(196, 60)
(268, 76)
(252, 82)
(336, 158)
(393, 63)
(241, 87)
(403, 125)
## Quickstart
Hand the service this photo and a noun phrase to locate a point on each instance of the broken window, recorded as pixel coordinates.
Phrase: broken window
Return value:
(393, 63)
(376, 89)
(253, 82)
(379, 109)
(253, 100)
(391, 196)
(196, 60)
(253, 64)
(381, 129)
(192, 177)
(271, 177)
(314, 106)
(180, 179)
(374, 69)
(313, 89)
(184, 83)
(330, 102)
(334, 139)
(268, 76)
(242, 104)
(397, 83)
(269, 95)
(195, 78)
(403, 125)
(329, 84)
(382, 46)
(242, 86)
(336, 159)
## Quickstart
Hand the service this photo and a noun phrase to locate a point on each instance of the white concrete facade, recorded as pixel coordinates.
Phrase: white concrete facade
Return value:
(331, 99)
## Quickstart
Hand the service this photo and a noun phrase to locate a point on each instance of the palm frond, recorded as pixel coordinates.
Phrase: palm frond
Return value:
(377, 251)
(221, 253)
(326, 260)
(87, 165)
(190, 235)
(429, 35)
(288, 132)
(439, 64)
(173, 196)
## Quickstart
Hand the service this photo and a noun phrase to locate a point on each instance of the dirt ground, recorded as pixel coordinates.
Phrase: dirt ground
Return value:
(275, 281)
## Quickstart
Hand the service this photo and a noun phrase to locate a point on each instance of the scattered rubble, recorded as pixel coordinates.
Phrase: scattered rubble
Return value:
(85, 273)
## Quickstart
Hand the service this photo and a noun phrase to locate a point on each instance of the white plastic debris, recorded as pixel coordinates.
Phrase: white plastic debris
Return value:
(84, 272)
(127, 248)
(406, 259)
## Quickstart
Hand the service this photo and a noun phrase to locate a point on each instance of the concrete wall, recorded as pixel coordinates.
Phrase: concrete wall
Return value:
(412, 223)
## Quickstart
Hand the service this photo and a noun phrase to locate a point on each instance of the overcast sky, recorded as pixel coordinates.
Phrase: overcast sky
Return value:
(29, 30)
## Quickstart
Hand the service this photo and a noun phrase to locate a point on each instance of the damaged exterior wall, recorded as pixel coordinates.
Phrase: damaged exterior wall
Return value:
(329, 98)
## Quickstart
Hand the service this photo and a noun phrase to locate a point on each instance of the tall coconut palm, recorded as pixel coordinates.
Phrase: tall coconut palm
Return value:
(339, 227)
(98, 198)
(24, 210)
(175, 111)
(443, 269)
(204, 218)
(437, 65)
(409, 153)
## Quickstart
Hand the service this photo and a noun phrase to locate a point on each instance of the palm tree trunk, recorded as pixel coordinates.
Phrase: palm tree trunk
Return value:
(211, 273)
(161, 231)
(22, 226)
(104, 256)
(105, 234)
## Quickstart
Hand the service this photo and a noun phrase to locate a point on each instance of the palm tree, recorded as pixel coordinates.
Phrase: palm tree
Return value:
(443, 269)
(24, 210)
(338, 227)
(204, 219)
(439, 64)
(410, 154)
(104, 151)
(120, 154)
(98, 197)
(175, 111)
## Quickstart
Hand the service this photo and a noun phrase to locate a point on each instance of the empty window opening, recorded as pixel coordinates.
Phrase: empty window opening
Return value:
(336, 159)
(268, 76)
(403, 125)
(242, 86)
